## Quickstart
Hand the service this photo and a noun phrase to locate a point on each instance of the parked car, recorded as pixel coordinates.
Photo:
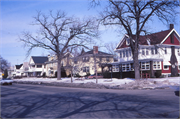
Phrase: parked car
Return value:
(6, 81)
(94, 76)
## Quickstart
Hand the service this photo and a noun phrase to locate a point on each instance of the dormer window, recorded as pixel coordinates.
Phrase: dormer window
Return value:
(127, 41)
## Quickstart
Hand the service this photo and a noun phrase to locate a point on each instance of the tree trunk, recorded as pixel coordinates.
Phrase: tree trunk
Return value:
(136, 65)
(59, 69)
(71, 75)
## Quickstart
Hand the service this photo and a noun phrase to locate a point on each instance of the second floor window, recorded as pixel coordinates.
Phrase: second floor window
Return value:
(156, 50)
(120, 54)
(165, 51)
(85, 59)
(147, 52)
(127, 53)
(152, 51)
(123, 53)
(143, 52)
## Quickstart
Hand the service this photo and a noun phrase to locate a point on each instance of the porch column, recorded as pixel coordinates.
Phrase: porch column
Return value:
(151, 69)
(120, 71)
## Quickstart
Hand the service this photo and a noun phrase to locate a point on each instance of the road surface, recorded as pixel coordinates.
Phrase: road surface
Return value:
(38, 101)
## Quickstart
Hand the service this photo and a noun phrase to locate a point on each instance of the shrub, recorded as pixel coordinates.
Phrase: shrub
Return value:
(5, 73)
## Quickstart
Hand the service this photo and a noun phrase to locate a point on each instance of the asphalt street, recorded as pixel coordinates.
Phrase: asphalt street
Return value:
(39, 101)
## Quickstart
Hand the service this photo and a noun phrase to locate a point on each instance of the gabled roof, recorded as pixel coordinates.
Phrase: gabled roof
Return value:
(91, 52)
(155, 38)
(39, 59)
(18, 66)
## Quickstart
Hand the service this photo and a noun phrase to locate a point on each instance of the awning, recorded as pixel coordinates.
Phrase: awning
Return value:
(166, 63)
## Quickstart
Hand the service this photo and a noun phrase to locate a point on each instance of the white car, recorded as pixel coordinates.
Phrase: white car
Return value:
(6, 81)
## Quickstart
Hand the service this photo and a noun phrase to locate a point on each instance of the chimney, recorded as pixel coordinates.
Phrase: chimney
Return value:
(95, 49)
(171, 26)
(82, 51)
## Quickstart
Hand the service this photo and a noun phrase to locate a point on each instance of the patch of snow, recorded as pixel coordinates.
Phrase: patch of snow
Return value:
(150, 83)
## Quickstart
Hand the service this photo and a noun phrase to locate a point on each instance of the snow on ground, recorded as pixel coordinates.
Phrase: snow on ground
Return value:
(112, 81)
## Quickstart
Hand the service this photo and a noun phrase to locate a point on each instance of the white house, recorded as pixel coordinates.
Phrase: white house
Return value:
(159, 54)
(18, 70)
(37, 65)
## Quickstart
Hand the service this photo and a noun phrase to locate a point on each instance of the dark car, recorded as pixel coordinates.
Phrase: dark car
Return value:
(6, 81)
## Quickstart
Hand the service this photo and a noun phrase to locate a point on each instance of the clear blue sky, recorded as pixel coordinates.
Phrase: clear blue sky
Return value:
(16, 17)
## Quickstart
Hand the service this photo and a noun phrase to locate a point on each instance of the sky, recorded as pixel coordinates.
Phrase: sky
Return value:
(16, 16)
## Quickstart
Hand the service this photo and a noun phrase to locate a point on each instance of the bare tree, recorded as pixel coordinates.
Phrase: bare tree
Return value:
(58, 32)
(4, 64)
(132, 16)
(110, 47)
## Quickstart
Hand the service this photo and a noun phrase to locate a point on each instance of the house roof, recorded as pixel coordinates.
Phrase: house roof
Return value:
(155, 38)
(18, 66)
(91, 52)
(39, 59)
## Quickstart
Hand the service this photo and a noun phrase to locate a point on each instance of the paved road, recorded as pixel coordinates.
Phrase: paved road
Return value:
(38, 101)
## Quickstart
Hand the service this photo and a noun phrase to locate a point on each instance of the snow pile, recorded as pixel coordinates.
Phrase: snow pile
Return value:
(126, 83)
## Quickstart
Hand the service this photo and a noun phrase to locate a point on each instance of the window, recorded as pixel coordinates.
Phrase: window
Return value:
(33, 66)
(152, 51)
(165, 51)
(123, 53)
(166, 67)
(179, 67)
(127, 54)
(85, 69)
(145, 66)
(85, 59)
(107, 59)
(100, 59)
(147, 51)
(132, 67)
(39, 66)
(127, 67)
(115, 68)
(143, 53)
(120, 54)
(75, 61)
(156, 50)
(124, 67)
(179, 52)
(156, 65)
